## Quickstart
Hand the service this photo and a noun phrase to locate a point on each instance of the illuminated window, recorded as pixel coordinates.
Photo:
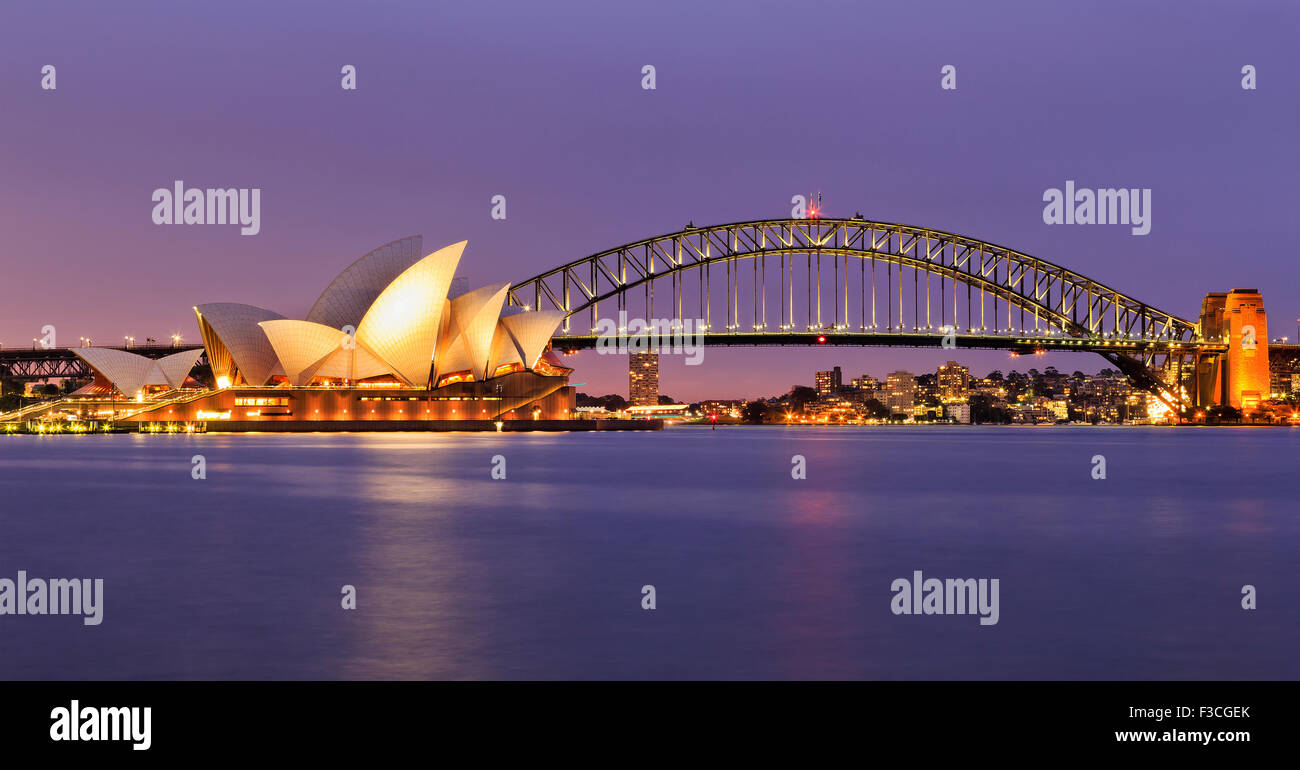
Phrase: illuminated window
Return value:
(250, 401)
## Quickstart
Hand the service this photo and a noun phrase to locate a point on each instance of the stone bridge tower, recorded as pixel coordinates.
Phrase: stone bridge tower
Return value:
(1238, 378)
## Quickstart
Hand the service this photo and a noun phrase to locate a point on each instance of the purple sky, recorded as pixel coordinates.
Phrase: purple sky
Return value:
(541, 102)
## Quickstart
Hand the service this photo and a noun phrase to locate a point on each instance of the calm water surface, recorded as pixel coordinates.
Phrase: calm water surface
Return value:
(757, 575)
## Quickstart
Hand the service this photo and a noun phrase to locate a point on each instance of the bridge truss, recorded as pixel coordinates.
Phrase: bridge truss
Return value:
(40, 364)
(859, 282)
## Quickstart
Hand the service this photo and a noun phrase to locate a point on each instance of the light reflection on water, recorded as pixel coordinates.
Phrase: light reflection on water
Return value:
(757, 574)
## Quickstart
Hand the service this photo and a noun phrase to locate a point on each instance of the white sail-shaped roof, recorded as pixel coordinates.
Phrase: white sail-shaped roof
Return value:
(355, 363)
(410, 316)
(346, 300)
(402, 325)
(504, 351)
(302, 346)
(155, 375)
(451, 356)
(176, 367)
(531, 331)
(128, 372)
(473, 321)
(235, 326)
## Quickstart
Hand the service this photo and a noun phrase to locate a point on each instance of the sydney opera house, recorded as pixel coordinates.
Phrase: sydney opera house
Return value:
(393, 339)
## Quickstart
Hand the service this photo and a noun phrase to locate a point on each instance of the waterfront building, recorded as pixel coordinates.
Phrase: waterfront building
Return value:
(1031, 412)
(722, 408)
(959, 413)
(900, 392)
(385, 341)
(659, 410)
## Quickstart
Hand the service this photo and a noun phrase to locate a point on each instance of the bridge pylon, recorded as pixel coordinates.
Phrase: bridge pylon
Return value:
(1239, 377)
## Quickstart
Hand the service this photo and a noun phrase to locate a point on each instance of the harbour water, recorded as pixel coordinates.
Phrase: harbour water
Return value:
(756, 574)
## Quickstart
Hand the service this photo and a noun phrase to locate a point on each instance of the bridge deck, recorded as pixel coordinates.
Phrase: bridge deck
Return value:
(1023, 344)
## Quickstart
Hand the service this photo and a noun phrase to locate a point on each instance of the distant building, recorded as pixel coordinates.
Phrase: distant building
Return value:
(994, 389)
(833, 410)
(958, 412)
(1029, 413)
(866, 383)
(1279, 384)
(659, 410)
(643, 374)
(721, 408)
(1041, 410)
(829, 382)
(900, 392)
(594, 412)
(953, 381)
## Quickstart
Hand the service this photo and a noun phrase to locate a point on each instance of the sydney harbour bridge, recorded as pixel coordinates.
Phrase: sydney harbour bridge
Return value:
(815, 281)
(812, 281)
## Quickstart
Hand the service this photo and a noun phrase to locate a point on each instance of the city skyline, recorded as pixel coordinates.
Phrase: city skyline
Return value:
(953, 394)
(810, 379)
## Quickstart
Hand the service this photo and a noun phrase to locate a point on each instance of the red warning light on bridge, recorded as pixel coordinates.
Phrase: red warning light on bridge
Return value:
(815, 209)
(821, 339)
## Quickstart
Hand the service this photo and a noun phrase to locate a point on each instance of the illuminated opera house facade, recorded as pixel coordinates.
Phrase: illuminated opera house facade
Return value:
(390, 340)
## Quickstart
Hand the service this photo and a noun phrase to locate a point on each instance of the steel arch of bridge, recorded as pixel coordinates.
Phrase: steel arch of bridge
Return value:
(1066, 300)
(1069, 310)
